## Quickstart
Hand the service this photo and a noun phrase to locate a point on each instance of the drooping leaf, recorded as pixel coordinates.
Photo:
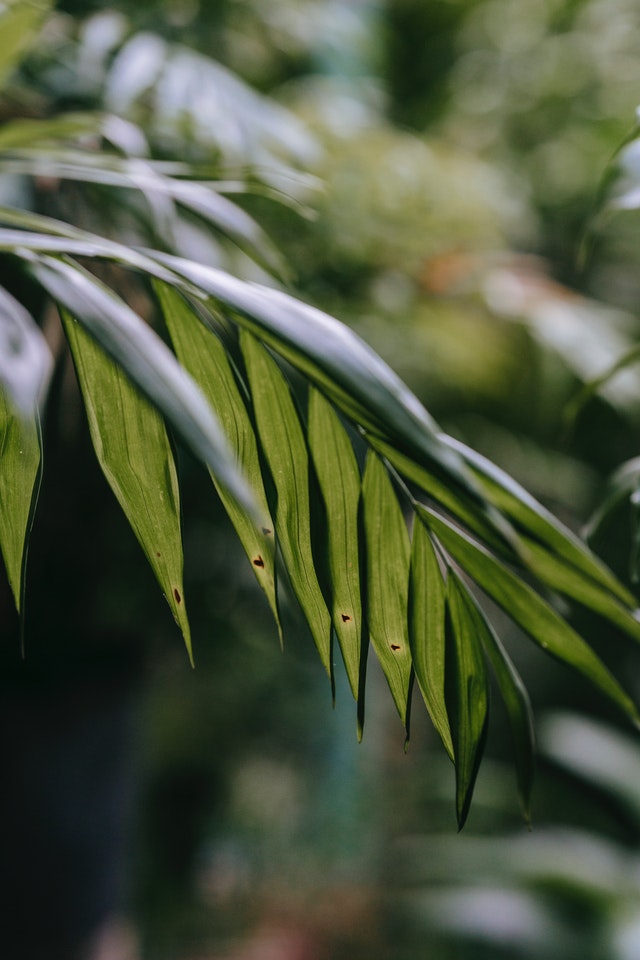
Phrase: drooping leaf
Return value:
(147, 361)
(469, 693)
(427, 598)
(333, 357)
(528, 609)
(20, 470)
(285, 450)
(133, 450)
(19, 23)
(339, 478)
(515, 696)
(25, 359)
(532, 518)
(565, 579)
(388, 556)
(203, 355)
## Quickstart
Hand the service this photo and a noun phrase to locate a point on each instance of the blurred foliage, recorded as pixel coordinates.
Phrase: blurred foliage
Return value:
(455, 150)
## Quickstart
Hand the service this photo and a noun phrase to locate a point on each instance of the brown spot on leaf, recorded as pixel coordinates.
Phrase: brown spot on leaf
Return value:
(158, 554)
(258, 562)
(345, 618)
(176, 594)
(266, 531)
(394, 646)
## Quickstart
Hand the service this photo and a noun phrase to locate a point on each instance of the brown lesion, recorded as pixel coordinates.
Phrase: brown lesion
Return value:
(176, 594)
(258, 561)
(267, 532)
(346, 618)
(394, 646)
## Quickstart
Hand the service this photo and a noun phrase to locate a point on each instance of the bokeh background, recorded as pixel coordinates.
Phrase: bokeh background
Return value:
(430, 172)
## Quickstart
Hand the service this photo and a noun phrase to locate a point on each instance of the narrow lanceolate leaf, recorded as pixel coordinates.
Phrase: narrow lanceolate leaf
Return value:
(132, 447)
(203, 355)
(469, 693)
(528, 609)
(561, 577)
(516, 700)
(148, 363)
(388, 555)
(285, 450)
(339, 478)
(25, 359)
(336, 359)
(427, 594)
(531, 517)
(20, 468)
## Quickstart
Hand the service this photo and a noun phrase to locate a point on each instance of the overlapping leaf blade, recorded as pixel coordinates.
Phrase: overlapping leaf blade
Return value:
(204, 356)
(20, 470)
(427, 637)
(133, 450)
(147, 361)
(515, 698)
(340, 485)
(469, 693)
(25, 359)
(334, 358)
(528, 609)
(285, 450)
(532, 518)
(387, 564)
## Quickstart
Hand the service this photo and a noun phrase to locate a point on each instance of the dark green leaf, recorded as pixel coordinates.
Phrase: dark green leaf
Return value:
(285, 450)
(203, 355)
(470, 694)
(531, 517)
(528, 609)
(515, 697)
(133, 450)
(388, 555)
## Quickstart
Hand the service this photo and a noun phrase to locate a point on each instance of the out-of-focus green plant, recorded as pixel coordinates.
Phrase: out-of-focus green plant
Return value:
(318, 483)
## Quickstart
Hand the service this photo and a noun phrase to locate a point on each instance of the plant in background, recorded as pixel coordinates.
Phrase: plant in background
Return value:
(387, 530)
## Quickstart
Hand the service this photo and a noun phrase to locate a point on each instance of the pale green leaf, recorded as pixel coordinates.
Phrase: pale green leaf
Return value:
(25, 359)
(133, 450)
(469, 693)
(20, 468)
(339, 478)
(388, 557)
(204, 356)
(19, 24)
(528, 609)
(285, 450)
(427, 595)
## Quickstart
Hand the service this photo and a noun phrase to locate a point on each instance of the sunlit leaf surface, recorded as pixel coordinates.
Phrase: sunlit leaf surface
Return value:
(133, 450)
